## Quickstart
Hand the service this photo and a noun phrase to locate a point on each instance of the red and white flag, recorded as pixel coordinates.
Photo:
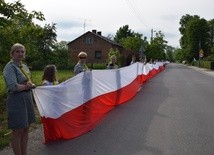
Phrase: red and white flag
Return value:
(77, 105)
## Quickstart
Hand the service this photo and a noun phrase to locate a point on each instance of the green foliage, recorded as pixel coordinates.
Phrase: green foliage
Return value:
(117, 54)
(212, 50)
(156, 50)
(169, 53)
(178, 55)
(3, 89)
(204, 64)
(129, 39)
(16, 25)
(123, 33)
(5, 140)
(132, 43)
(207, 64)
(97, 66)
(197, 34)
(209, 58)
(60, 56)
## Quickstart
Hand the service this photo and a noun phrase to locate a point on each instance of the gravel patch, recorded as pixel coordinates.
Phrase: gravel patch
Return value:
(35, 140)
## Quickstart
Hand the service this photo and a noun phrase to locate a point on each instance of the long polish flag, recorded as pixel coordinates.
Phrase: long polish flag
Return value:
(77, 105)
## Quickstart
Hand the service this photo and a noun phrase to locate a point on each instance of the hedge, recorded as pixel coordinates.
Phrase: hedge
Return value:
(204, 64)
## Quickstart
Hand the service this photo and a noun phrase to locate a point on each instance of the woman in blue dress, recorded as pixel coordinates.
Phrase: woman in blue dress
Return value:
(20, 108)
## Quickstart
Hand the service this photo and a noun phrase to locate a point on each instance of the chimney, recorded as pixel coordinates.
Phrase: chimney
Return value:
(94, 31)
(99, 33)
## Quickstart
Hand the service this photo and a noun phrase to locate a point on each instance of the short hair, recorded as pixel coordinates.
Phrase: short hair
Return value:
(82, 54)
(15, 47)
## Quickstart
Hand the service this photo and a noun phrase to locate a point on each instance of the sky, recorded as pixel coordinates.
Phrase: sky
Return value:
(74, 18)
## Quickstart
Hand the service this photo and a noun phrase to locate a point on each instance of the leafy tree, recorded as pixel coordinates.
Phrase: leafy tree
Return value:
(169, 53)
(183, 22)
(195, 36)
(211, 25)
(178, 55)
(61, 55)
(44, 43)
(130, 40)
(133, 43)
(16, 25)
(156, 49)
(198, 34)
(123, 33)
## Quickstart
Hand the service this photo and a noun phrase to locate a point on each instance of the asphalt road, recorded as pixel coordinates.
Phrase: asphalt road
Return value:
(173, 114)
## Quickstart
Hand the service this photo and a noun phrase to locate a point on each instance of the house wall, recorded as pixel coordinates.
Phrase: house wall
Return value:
(99, 44)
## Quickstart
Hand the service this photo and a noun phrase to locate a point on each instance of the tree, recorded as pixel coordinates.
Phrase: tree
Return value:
(183, 22)
(178, 55)
(169, 53)
(16, 25)
(45, 43)
(211, 25)
(133, 43)
(123, 33)
(195, 36)
(198, 34)
(61, 55)
(156, 49)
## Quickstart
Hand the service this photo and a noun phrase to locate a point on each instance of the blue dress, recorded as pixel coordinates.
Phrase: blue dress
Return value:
(20, 104)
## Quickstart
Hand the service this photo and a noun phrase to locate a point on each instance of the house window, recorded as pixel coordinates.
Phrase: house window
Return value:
(98, 54)
(89, 40)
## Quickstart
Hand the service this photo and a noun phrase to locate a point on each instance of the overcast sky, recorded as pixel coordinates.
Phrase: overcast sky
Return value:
(74, 17)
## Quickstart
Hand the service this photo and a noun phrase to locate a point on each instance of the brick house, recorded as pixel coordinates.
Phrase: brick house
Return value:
(96, 46)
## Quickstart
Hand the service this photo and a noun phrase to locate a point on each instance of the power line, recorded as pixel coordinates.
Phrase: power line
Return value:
(138, 14)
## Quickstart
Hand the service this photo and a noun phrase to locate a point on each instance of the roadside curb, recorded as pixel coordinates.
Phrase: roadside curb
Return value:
(203, 70)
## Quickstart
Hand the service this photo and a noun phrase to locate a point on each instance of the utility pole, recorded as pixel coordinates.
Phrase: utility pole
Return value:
(151, 35)
(152, 31)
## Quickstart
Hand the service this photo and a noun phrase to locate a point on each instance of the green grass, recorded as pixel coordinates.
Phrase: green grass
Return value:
(37, 79)
(61, 74)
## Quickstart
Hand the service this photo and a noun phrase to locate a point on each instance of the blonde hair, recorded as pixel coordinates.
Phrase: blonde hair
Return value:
(113, 56)
(15, 47)
(82, 54)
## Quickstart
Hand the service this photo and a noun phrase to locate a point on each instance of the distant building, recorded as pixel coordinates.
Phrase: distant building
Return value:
(96, 46)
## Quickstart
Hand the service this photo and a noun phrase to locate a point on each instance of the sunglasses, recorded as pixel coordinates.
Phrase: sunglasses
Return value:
(20, 51)
(82, 57)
